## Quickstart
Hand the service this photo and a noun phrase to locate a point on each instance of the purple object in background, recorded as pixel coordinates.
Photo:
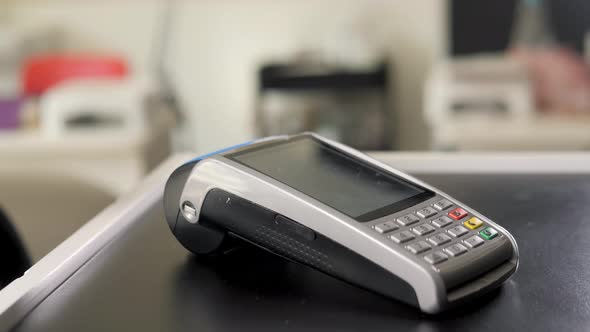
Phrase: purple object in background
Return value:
(10, 113)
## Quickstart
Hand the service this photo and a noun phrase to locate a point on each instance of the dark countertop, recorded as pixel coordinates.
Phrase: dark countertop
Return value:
(145, 281)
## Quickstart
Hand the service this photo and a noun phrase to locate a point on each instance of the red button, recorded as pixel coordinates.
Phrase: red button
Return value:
(458, 213)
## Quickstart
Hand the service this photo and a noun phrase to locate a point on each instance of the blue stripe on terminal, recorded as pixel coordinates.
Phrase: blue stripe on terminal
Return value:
(219, 151)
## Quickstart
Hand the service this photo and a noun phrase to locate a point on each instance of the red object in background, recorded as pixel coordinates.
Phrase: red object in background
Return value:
(42, 72)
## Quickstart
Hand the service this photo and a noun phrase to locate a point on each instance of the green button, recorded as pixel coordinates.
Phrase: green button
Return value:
(488, 233)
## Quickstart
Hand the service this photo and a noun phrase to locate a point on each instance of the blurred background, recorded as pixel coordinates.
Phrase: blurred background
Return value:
(94, 94)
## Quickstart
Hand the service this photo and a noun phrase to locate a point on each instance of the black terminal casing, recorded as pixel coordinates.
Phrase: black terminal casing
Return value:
(196, 238)
(227, 220)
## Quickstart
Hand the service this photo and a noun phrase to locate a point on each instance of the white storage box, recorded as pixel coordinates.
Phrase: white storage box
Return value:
(129, 140)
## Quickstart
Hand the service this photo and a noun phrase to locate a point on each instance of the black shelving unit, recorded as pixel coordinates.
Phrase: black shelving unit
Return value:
(302, 79)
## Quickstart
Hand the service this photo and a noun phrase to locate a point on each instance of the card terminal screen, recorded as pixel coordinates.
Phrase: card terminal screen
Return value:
(333, 177)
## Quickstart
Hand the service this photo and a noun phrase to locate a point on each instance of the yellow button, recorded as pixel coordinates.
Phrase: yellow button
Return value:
(473, 223)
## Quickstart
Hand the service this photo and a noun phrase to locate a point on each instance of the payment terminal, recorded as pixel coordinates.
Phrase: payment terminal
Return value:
(325, 205)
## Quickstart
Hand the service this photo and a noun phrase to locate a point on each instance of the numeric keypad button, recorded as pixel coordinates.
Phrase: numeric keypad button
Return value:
(408, 219)
(426, 212)
(443, 204)
(439, 239)
(457, 231)
(456, 249)
(473, 241)
(402, 237)
(442, 221)
(423, 229)
(418, 247)
(385, 227)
